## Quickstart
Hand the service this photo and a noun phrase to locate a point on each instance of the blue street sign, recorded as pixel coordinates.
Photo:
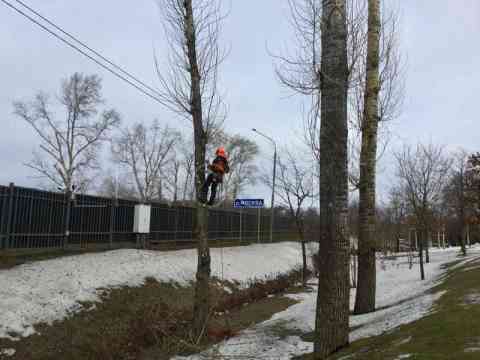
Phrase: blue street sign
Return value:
(248, 203)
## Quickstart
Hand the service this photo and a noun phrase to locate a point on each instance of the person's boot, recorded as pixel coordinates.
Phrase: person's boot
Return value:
(212, 199)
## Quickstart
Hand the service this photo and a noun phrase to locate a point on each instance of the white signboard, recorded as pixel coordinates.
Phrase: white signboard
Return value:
(141, 224)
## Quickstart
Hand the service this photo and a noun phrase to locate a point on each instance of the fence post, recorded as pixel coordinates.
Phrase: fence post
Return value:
(258, 224)
(2, 223)
(112, 221)
(68, 195)
(176, 224)
(240, 226)
(8, 235)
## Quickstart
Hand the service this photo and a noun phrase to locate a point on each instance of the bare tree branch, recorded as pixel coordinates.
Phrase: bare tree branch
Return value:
(145, 152)
(69, 147)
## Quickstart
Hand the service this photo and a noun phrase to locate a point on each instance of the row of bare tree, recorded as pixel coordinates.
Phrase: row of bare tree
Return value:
(436, 187)
(151, 162)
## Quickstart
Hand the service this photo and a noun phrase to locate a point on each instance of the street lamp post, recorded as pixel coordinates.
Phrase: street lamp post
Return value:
(272, 215)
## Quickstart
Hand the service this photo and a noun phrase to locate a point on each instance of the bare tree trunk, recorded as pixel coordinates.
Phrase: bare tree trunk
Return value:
(420, 252)
(463, 237)
(468, 235)
(462, 211)
(160, 188)
(333, 286)
(365, 296)
(175, 182)
(304, 259)
(304, 252)
(427, 247)
(202, 295)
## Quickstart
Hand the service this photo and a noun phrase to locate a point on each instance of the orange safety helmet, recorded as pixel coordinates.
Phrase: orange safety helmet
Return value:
(221, 152)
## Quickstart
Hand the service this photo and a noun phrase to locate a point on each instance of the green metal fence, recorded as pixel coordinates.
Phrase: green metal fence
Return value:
(38, 219)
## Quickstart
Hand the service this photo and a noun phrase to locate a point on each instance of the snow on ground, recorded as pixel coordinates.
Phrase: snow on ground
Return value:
(49, 290)
(401, 299)
(471, 299)
(7, 352)
(403, 356)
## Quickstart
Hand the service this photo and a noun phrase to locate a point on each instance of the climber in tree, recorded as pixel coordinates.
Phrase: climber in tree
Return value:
(218, 168)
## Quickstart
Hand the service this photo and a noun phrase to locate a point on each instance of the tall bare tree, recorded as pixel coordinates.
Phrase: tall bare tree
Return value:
(187, 160)
(69, 146)
(333, 286)
(366, 288)
(397, 210)
(117, 188)
(422, 172)
(189, 88)
(144, 152)
(174, 169)
(375, 100)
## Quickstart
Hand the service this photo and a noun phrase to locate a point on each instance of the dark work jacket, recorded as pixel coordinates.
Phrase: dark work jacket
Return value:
(219, 166)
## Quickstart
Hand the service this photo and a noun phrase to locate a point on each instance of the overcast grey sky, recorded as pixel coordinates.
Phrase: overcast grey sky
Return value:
(439, 38)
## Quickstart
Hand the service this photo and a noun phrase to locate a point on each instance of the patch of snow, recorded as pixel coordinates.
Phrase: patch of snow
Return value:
(403, 341)
(347, 357)
(468, 260)
(471, 299)
(469, 268)
(50, 290)
(8, 352)
(378, 322)
(403, 356)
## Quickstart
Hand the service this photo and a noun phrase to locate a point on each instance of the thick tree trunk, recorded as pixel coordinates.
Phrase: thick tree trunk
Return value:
(201, 306)
(365, 296)
(333, 286)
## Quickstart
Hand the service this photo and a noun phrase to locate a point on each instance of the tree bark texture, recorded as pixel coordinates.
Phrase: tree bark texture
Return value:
(366, 287)
(201, 299)
(331, 325)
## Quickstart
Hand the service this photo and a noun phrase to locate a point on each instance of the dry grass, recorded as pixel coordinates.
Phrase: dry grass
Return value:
(153, 321)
